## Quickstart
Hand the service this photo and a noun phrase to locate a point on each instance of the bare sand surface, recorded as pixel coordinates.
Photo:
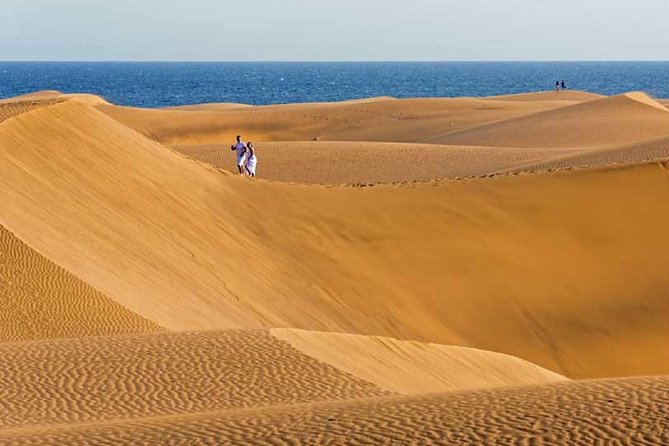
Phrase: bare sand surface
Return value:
(517, 242)
(138, 376)
(499, 264)
(10, 108)
(424, 138)
(638, 152)
(623, 411)
(408, 367)
(325, 162)
(380, 120)
(602, 122)
(122, 377)
(42, 300)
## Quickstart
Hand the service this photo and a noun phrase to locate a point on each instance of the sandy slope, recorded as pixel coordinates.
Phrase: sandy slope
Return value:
(42, 95)
(552, 268)
(609, 121)
(324, 162)
(209, 107)
(637, 152)
(123, 377)
(15, 107)
(462, 136)
(41, 300)
(379, 119)
(103, 231)
(629, 411)
(408, 367)
(550, 96)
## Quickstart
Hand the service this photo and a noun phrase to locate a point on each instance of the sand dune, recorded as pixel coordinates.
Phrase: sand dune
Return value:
(630, 411)
(209, 107)
(539, 266)
(609, 121)
(108, 245)
(638, 152)
(430, 284)
(379, 119)
(573, 96)
(9, 109)
(408, 368)
(42, 95)
(124, 377)
(324, 162)
(41, 300)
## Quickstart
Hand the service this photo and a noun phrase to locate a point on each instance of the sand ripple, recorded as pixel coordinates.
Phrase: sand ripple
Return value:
(9, 109)
(615, 412)
(66, 381)
(41, 300)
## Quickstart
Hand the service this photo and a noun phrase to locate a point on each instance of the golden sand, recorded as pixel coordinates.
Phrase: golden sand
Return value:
(452, 265)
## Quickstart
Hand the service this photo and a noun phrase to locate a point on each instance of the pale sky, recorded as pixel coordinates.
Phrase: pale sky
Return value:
(349, 30)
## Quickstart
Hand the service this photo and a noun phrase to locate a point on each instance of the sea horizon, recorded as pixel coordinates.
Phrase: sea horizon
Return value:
(155, 84)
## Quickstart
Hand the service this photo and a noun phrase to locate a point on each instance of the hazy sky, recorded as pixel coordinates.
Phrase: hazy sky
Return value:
(334, 30)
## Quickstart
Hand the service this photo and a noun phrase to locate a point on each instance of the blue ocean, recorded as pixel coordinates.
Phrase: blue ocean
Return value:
(162, 84)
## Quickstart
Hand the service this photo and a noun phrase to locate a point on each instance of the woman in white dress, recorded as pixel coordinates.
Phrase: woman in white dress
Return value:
(251, 160)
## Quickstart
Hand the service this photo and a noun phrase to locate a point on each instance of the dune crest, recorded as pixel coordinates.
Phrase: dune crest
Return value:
(423, 120)
(611, 120)
(408, 367)
(645, 99)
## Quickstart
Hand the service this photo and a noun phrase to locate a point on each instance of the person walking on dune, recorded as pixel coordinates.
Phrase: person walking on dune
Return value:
(563, 86)
(251, 161)
(240, 148)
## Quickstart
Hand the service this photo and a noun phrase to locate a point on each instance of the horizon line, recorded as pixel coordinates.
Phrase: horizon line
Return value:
(329, 61)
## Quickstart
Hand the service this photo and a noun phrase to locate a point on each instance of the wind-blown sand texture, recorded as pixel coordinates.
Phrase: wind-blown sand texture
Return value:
(630, 411)
(331, 162)
(453, 263)
(41, 300)
(407, 367)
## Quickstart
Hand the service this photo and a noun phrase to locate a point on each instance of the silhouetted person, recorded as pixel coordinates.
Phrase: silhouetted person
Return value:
(563, 86)
(557, 85)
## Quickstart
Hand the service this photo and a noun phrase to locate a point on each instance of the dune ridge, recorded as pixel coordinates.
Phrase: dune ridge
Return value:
(379, 120)
(13, 108)
(608, 121)
(41, 300)
(656, 149)
(407, 367)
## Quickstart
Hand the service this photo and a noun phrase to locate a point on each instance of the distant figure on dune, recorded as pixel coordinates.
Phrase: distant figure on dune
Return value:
(563, 86)
(557, 85)
(251, 161)
(240, 147)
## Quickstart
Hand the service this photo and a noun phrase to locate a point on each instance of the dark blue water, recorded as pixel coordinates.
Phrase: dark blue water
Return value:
(168, 84)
